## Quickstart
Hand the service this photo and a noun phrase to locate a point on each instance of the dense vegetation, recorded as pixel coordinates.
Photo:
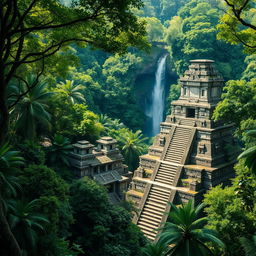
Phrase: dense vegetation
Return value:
(68, 71)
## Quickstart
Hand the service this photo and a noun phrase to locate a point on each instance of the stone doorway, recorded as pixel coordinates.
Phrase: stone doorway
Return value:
(191, 112)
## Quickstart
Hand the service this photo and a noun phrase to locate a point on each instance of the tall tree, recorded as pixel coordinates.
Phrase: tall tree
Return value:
(71, 91)
(132, 145)
(32, 30)
(31, 110)
(26, 222)
(9, 161)
(58, 152)
(231, 210)
(238, 24)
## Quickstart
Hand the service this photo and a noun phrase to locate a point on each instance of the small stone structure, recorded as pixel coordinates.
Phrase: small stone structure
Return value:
(103, 164)
(191, 154)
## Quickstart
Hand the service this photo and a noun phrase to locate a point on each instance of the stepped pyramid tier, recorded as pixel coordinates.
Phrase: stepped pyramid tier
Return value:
(103, 163)
(191, 154)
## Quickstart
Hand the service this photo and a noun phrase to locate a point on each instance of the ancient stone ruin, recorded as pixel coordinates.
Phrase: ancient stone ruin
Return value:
(103, 164)
(191, 154)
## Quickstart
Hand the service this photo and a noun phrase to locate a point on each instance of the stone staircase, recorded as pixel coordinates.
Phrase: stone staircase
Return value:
(166, 173)
(159, 191)
(187, 122)
(154, 208)
(178, 145)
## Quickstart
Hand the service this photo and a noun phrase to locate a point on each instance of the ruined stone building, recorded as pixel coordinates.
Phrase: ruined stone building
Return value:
(103, 164)
(191, 153)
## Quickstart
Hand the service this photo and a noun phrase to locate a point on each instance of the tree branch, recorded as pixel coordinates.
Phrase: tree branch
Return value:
(29, 87)
(238, 12)
(70, 23)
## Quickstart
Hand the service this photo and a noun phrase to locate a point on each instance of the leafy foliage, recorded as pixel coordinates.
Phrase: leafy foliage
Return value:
(155, 249)
(70, 91)
(26, 222)
(238, 104)
(10, 161)
(192, 35)
(185, 233)
(132, 145)
(101, 228)
(31, 111)
(59, 150)
(250, 153)
(231, 210)
(249, 245)
(238, 24)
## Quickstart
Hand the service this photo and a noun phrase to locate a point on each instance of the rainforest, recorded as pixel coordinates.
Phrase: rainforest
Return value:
(127, 127)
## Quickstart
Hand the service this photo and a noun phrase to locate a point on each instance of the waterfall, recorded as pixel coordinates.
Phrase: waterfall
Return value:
(158, 96)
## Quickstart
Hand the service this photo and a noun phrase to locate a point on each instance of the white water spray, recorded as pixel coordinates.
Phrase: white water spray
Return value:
(158, 97)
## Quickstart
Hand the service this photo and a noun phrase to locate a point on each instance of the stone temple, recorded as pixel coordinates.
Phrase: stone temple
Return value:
(103, 163)
(191, 154)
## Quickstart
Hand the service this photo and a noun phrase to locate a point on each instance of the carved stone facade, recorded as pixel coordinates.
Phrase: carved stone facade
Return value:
(191, 154)
(103, 164)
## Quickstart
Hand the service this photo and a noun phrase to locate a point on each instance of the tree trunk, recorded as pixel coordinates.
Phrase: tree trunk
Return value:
(4, 118)
(8, 243)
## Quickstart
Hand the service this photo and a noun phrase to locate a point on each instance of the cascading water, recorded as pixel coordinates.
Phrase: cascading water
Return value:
(156, 111)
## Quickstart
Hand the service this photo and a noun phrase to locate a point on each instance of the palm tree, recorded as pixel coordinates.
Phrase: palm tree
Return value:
(116, 124)
(185, 233)
(104, 120)
(31, 110)
(9, 162)
(26, 223)
(58, 152)
(155, 249)
(132, 146)
(250, 153)
(71, 91)
(249, 245)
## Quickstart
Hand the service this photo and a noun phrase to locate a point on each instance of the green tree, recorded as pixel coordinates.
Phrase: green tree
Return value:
(237, 25)
(132, 145)
(32, 151)
(41, 182)
(58, 152)
(9, 162)
(250, 153)
(38, 29)
(192, 35)
(74, 121)
(26, 223)
(185, 232)
(72, 92)
(249, 245)
(231, 210)
(155, 249)
(238, 105)
(155, 29)
(33, 31)
(31, 111)
(102, 228)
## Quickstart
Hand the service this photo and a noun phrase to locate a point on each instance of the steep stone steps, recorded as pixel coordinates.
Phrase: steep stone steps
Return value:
(153, 210)
(166, 173)
(157, 198)
(178, 145)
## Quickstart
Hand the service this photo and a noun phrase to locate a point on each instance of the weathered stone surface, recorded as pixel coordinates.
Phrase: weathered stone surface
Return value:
(191, 154)
(103, 164)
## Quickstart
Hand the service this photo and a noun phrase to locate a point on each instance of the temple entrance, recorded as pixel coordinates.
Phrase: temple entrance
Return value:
(190, 112)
